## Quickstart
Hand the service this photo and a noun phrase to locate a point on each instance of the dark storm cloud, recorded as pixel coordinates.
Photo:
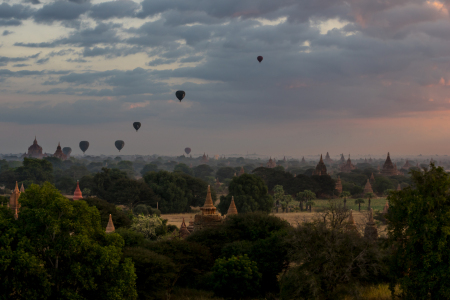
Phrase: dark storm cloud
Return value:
(12, 22)
(114, 9)
(16, 11)
(7, 32)
(60, 11)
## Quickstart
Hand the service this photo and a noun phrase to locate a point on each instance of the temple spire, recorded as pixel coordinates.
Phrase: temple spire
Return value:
(77, 195)
(208, 208)
(184, 232)
(232, 210)
(22, 189)
(110, 227)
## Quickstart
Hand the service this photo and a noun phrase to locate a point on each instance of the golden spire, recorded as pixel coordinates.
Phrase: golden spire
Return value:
(110, 227)
(22, 189)
(16, 190)
(208, 208)
(232, 210)
(184, 232)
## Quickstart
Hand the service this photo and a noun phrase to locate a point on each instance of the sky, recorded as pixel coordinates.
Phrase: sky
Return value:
(356, 76)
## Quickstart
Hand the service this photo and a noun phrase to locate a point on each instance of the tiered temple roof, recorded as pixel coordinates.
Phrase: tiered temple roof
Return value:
(209, 217)
(303, 162)
(22, 189)
(14, 204)
(407, 165)
(348, 166)
(184, 232)
(328, 159)
(59, 154)
(271, 163)
(338, 185)
(205, 158)
(232, 210)
(35, 151)
(110, 227)
(368, 187)
(342, 159)
(321, 169)
(77, 195)
(389, 169)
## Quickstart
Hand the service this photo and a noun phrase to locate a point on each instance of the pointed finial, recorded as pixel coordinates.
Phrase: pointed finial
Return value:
(16, 189)
(110, 227)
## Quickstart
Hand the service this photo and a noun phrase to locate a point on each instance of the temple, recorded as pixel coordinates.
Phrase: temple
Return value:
(338, 186)
(59, 154)
(77, 195)
(22, 189)
(209, 216)
(184, 232)
(303, 162)
(271, 163)
(407, 165)
(232, 210)
(110, 227)
(371, 231)
(205, 158)
(389, 169)
(242, 171)
(328, 159)
(14, 204)
(348, 166)
(321, 169)
(34, 151)
(368, 187)
(372, 179)
(342, 159)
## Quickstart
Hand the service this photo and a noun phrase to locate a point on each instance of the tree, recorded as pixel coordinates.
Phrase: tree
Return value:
(149, 168)
(183, 168)
(150, 226)
(57, 249)
(345, 195)
(120, 219)
(369, 196)
(307, 196)
(250, 194)
(236, 277)
(225, 173)
(359, 202)
(203, 171)
(418, 222)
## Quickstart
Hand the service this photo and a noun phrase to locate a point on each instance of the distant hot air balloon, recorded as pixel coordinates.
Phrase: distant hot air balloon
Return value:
(119, 144)
(67, 150)
(137, 125)
(180, 95)
(259, 58)
(187, 150)
(84, 145)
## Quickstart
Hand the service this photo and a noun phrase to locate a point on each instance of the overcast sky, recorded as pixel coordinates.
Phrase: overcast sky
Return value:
(355, 76)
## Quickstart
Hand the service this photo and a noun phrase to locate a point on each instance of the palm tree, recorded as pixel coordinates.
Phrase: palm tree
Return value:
(345, 195)
(359, 201)
(369, 196)
(309, 196)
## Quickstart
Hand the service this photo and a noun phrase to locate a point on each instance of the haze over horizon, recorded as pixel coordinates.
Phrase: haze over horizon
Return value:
(337, 76)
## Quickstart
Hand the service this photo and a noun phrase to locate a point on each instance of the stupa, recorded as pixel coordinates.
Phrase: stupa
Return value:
(34, 151)
(242, 171)
(389, 169)
(184, 232)
(232, 210)
(372, 179)
(303, 162)
(338, 185)
(271, 163)
(14, 204)
(22, 189)
(385, 208)
(321, 169)
(342, 159)
(399, 188)
(217, 184)
(407, 165)
(59, 154)
(371, 231)
(351, 225)
(328, 159)
(348, 166)
(368, 187)
(77, 195)
(110, 227)
(209, 216)
(205, 158)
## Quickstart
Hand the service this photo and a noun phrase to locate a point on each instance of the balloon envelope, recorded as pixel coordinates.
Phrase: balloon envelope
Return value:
(67, 150)
(259, 58)
(84, 145)
(187, 150)
(119, 144)
(180, 95)
(137, 125)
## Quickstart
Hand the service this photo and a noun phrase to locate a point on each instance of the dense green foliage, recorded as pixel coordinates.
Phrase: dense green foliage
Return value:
(236, 277)
(120, 219)
(58, 249)
(419, 222)
(250, 194)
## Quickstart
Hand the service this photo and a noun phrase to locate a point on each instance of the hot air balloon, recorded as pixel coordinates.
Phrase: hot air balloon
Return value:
(137, 125)
(119, 144)
(67, 150)
(187, 150)
(259, 58)
(84, 145)
(180, 95)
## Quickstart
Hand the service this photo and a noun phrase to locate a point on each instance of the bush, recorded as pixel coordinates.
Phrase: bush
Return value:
(236, 277)
(151, 227)
(119, 218)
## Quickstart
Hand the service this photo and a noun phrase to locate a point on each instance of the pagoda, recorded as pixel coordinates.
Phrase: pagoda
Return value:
(348, 166)
(22, 189)
(242, 171)
(110, 227)
(232, 210)
(389, 169)
(209, 216)
(205, 158)
(303, 162)
(368, 187)
(77, 195)
(342, 159)
(372, 179)
(407, 165)
(328, 159)
(385, 208)
(184, 232)
(59, 154)
(371, 231)
(321, 169)
(338, 185)
(271, 163)
(217, 184)
(14, 204)
(351, 225)
(34, 151)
